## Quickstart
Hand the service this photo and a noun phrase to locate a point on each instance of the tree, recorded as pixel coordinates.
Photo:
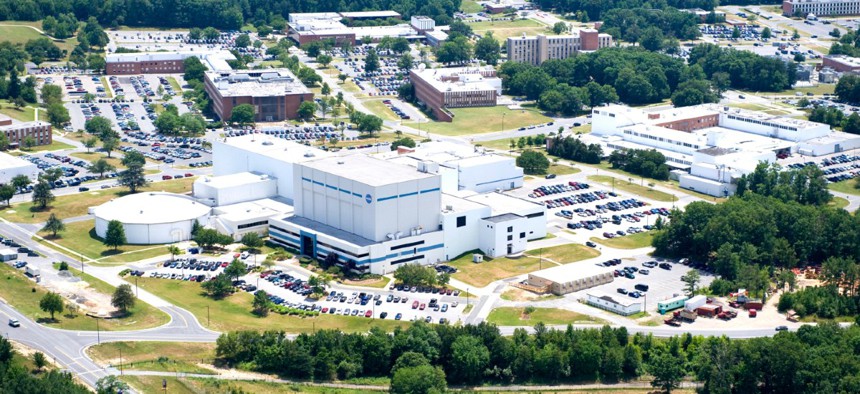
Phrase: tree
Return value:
(52, 303)
(115, 235)
(51, 94)
(371, 61)
(794, 36)
(235, 269)
(324, 106)
(242, 114)
(133, 157)
(252, 241)
(195, 33)
(173, 250)
(19, 181)
(324, 60)
(691, 282)
(58, 115)
(7, 191)
(406, 61)
(766, 33)
(42, 194)
(456, 49)
(207, 238)
(101, 166)
(54, 225)
(194, 69)
(210, 33)
(405, 141)
(39, 360)
(261, 303)
(651, 39)
(4, 142)
(306, 110)
(666, 370)
(242, 41)
(111, 385)
(487, 49)
(421, 379)
(559, 27)
(415, 275)
(123, 298)
(469, 359)
(342, 77)
(851, 124)
(133, 178)
(101, 127)
(736, 33)
(52, 174)
(169, 123)
(109, 145)
(533, 162)
(218, 287)
(28, 142)
(318, 284)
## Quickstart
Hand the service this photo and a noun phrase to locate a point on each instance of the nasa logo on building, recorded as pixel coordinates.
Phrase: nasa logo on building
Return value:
(368, 198)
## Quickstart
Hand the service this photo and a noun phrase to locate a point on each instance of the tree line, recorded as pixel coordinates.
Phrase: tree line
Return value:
(745, 70)
(16, 378)
(647, 163)
(425, 358)
(225, 14)
(595, 9)
(571, 148)
(636, 24)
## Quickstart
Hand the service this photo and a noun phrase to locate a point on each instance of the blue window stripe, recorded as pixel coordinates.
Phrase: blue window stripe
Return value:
(306, 179)
(408, 194)
(344, 190)
(318, 183)
(331, 187)
(356, 194)
(406, 252)
(386, 198)
(431, 247)
(435, 189)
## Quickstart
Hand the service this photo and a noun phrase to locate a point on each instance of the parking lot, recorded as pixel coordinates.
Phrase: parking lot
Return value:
(383, 82)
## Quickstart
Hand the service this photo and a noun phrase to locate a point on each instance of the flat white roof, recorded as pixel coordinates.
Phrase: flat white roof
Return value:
(151, 208)
(214, 60)
(570, 272)
(264, 208)
(370, 14)
(233, 180)
(368, 170)
(470, 78)
(9, 161)
(623, 301)
(256, 83)
(458, 204)
(276, 148)
(502, 203)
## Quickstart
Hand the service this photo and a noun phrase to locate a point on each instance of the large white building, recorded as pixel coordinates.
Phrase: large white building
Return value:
(11, 166)
(715, 145)
(821, 7)
(151, 217)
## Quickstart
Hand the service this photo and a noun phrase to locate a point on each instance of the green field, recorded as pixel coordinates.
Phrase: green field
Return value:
(153, 384)
(513, 316)
(504, 29)
(483, 120)
(816, 90)
(77, 204)
(93, 156)
(378, 108)
(470, 7)
(559, 169)
(53, 146)
(564, 254)
(482, 274)
(846, 186)
(24, 295)
(25, 114)
(633, 241)
(81, 237)
(839, 202)
(234, 312)
(174, 84)
(633, 188)
(155, 356)
(21, 32)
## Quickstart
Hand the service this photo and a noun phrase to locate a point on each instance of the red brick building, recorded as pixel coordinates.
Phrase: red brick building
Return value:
(275, 94)
(162, 62)
(17, 132)
(455, 87)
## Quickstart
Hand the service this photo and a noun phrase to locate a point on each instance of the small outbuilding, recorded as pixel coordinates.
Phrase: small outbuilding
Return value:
(624, 306)
(569, 278)
(8, 254)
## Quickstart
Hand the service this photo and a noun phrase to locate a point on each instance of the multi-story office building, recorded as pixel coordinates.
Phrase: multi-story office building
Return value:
(275, 93)
(441, 88)
(821, 7)
(536, 50)
(163, 62)
(17, 132)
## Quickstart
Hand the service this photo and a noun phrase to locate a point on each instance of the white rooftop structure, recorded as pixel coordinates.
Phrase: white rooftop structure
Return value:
(10, 166)
(370, 14)
(622, 301)
(504, 203)
(256, 83)
(458, 79)
(150, 208)
(367, 170)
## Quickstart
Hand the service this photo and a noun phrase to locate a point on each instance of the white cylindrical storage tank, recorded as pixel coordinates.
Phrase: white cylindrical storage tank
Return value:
(152, 217)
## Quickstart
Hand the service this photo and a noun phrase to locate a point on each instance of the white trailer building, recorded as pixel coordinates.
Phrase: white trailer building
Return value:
(624, 306)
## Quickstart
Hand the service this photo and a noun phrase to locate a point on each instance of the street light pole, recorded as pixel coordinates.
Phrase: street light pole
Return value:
(136, 292)
(98, 332)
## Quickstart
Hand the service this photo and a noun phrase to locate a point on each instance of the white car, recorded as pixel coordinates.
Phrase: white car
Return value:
(14, 323)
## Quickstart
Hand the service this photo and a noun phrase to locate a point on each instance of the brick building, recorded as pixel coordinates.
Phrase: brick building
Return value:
(17, 132)
(163, 62)
(275, 93)
(821, 7)
(841, 63)
(536, 50)
(455, 87)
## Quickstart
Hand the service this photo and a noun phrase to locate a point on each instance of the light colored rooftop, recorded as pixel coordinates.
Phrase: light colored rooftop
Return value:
(280, 149)
(21, 125)
(151, 208)
(254, 209)
(367, 170)
(233, 180)
(256, 83)
(623, 301)
(305, 16)
(503, 203)
(371, 14)
(570, 272)
(8, 161)
(214, 60)
(458, 78)
(401, 30)
(458, 204)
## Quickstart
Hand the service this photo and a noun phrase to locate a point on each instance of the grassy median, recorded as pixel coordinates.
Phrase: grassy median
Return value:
(516, 316)
(632, 241)
(156, 356)
(81, 237)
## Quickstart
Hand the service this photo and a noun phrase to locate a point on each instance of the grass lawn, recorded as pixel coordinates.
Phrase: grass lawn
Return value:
(470, 7)
(846, 186)
(564, 254)
(81, 237)
(271, 63)
(26, 114)
(633, 188)
(559, 169)
(816, 90)
(381, 283)
(234, 312)
(93, 156)
(513, 316)
(350, 86)
(364, 140)
(55, 145)
(750, 106)
(482, 274)
(504, 29)
(21, 32)
(483, 120)
(152, 384)
(381, 110)
(175, 85)
(584, 129)
(155, 356)
(839, 202)
(77, 204)
(17, 290)
(633, 241)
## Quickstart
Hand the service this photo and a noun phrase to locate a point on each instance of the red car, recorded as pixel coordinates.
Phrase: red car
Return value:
(368, 313)
(188, 174)
(415, 305)
(422, 306)
(166, 177)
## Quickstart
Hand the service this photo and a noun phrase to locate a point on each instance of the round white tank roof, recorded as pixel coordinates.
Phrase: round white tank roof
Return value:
(151, 208)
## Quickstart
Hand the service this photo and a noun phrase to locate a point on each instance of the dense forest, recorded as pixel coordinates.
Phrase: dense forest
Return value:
(224, 14)
(424, 358)
(745, 70)
(596, 8)
(15, 378)
(630, 24)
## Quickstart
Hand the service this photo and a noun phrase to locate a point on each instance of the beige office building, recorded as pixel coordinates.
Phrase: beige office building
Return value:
(536, 50)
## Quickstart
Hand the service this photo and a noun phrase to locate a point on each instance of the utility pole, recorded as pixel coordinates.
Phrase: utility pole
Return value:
(136, 292)
(120, 362)
(98, 332)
